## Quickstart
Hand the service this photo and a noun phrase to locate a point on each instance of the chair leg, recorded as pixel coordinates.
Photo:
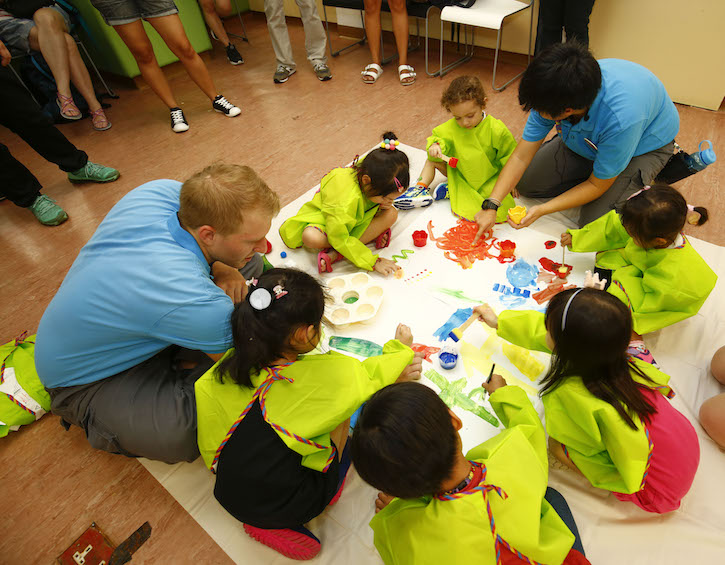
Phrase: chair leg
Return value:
(25, 86)
(467, 54)
(498, 48)
(427, 69)
(98, 74)
(329, 41)
(244, 37)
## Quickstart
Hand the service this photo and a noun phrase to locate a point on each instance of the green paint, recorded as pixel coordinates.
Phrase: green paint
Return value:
(361, 347)
(351, 300)
(452, 394)
(405, 253)
(458, 294)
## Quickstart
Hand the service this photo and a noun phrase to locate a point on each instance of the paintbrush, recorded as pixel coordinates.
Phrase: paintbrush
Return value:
(457, 333)
(488, 380)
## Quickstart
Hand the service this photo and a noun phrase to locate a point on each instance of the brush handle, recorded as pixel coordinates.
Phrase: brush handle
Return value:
(465, 325)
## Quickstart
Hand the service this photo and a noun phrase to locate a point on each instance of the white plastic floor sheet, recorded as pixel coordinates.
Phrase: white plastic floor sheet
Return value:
(613, 532)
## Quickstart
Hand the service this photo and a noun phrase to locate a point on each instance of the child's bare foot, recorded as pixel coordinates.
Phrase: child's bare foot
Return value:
(382, 501)
(333, 255)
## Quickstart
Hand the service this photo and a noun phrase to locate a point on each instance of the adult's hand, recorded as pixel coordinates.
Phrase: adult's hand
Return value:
(413, 371)
(4, 55)
(230, 280)
(485, 219)
(533, 214)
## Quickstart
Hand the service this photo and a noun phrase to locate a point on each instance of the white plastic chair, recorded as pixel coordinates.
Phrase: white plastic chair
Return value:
(488, 14)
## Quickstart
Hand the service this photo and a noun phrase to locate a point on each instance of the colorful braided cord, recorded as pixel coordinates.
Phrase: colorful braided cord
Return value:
(484, 489)
(649, 457)
(261, 394)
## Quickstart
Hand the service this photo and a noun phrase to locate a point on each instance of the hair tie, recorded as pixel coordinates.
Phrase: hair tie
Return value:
(251, 282)
(639, 191)
(690, 208)
(279, 292)
(399, 185)
(389, 144)
(566, 309)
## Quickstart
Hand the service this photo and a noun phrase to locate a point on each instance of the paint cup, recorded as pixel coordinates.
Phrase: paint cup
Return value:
(420, 238)
(507, 248)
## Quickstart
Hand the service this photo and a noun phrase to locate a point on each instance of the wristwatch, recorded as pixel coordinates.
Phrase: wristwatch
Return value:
(490, 204)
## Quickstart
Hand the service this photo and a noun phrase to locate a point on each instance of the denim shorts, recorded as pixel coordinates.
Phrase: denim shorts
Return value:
(15, 32)
(119, 12)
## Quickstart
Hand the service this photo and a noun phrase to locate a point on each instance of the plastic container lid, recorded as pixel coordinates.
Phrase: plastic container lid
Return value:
(707, 155)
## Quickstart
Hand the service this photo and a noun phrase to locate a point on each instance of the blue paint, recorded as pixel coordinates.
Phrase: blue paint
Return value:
(447, 360)
(507, 290)
(460, 316)
(522, 274)
(511, 301)
(283, 254)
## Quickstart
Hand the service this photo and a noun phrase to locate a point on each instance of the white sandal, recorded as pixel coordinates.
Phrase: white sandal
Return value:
(371, 73)
(406, 73)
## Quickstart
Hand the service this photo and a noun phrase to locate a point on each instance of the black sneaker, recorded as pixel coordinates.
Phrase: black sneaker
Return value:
(223, 105)
(178, 121)
(234, 56)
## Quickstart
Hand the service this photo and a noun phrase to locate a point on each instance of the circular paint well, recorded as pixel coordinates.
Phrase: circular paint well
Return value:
(336, 283)
(350, 297)
(361, 278)
(374, 292)
(365, 310)
(340, 315)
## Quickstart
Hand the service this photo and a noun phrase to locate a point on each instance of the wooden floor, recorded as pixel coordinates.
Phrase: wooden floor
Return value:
(53, 484)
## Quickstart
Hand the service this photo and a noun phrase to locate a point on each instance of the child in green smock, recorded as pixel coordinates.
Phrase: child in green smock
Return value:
(353, 207)
(486, 507)
(479, 145)
(608, 413)
(650, 264)
(273, 422)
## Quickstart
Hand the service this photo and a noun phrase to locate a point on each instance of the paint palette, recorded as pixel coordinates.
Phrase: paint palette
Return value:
(354, 298)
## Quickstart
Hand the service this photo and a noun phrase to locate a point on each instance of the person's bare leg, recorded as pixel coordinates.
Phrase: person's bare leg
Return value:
(48, 37)
(79, 75)
(213, 21)
(135, 38)
(399, 13)
(372, 28)
(383, 221)
(339, 437)
(312, 238)
(429, 172)
(224, 8)
(172, 32)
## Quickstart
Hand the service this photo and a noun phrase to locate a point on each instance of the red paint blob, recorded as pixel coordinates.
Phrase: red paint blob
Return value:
(553, 266)
(550, 244)
(457, 243)
(425, 349)
(453, 162)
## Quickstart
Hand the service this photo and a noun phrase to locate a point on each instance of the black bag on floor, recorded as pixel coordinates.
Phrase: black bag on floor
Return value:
(26, 8)
(675, 169)
(38, 78)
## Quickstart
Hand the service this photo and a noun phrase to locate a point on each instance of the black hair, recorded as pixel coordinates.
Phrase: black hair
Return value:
(262, 336)
(593, 346)
(564, 75)
(383, 166)
(404, 442)
(659, 211)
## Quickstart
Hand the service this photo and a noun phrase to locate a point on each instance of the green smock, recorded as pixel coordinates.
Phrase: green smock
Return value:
(660, 286)
(325, 391)
(482, 152)
(429, 530)
(604, 448)
(342, 212)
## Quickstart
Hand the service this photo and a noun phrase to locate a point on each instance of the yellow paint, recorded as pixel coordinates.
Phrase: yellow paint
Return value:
(517, 213)
(511, 380)
(475, 358)
(523, 360)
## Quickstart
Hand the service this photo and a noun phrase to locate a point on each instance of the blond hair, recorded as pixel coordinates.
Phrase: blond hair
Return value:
(221, 194)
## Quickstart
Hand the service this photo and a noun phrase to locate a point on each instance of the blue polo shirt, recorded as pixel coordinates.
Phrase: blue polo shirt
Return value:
(631, 115)
(139, 285)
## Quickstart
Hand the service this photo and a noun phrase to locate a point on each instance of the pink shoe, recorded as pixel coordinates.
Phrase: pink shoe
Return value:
(68, 108)
(381, 242)
(296, 543)
(100, 121)
(323, 256)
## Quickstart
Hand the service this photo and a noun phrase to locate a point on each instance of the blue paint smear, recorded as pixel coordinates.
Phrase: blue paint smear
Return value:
(512, 301)
(522, 274)
(460, 316)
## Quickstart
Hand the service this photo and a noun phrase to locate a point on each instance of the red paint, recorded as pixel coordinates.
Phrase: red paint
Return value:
(430, 230)
(550, 291)
(553, 266)
(550, 244)
(420, 238)
(453, 162)
(425, 349)
(457, 243)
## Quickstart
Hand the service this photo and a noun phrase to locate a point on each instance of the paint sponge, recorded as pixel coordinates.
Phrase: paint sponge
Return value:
(517, 213)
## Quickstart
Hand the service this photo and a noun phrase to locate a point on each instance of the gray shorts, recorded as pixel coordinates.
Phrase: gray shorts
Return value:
(119, 12)
(15, 32)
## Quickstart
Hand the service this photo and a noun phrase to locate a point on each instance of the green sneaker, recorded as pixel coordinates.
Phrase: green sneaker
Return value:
(47, 211)
(94, 173)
